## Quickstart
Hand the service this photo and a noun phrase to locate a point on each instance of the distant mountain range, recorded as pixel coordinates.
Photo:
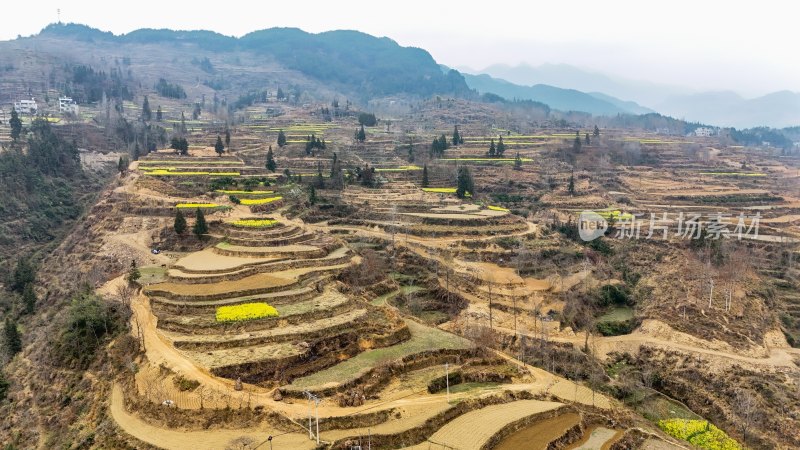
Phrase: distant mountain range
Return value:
(570, 77)
(364, 66)
(728, 109)
(778, 109)
(555, 97)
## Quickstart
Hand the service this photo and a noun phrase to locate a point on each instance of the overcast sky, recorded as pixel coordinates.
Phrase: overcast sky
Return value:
(742, 46)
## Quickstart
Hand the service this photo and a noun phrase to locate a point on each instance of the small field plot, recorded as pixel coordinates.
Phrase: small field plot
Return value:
(422, 339)
(152, 274)
(474, 428)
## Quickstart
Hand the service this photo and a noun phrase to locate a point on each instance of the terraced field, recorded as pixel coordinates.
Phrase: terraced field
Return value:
(422, 339)
(472, 430)
(286, 267)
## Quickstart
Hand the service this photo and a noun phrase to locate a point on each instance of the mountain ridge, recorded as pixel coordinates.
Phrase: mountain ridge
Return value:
(358, 61)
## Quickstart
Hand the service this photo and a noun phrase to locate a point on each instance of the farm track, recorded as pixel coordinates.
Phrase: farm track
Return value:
(778, 357)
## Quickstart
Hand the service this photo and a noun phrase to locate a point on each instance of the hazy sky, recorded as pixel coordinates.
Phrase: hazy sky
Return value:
(742, 46)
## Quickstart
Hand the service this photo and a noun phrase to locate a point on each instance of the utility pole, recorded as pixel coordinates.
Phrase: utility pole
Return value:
(311, 397)
(490, 306)
(447, 379)
(711, 292)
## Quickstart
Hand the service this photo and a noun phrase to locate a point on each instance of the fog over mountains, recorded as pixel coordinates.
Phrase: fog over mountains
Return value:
(366, 66)
(720, 108)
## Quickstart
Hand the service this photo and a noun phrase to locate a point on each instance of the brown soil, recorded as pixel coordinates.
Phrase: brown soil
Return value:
(539, 435)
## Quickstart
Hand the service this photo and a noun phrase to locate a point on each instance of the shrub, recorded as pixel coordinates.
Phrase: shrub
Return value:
(89, 322)
(246, 311)
(611, 294)
(185, 384)
(440, 383)
(616, 328)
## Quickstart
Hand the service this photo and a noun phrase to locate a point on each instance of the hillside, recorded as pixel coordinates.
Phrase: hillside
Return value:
(356, 64)
(414, 261)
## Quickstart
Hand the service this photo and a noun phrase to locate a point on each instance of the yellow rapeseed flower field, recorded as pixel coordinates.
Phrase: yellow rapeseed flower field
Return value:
(197, 205)
(245, 311)
(255, 223)
(259, 201)
(700, 433)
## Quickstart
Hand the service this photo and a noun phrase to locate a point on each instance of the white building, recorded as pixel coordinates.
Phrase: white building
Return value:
(67, 105)
(704, 132)
(27, 106)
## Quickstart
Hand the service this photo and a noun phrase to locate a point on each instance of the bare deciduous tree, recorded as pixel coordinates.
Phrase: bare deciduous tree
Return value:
(746, 405)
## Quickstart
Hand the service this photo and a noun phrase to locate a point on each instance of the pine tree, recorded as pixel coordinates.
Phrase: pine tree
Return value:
(136, 152)
(320, 181)
(183, 123)
(180, 222)
(361, 136)
(4, 384)
(271, 166)
(456, 136)
(219, 147)
(517, 162)
(13, 341)
(464, 185)
(571, 186)
(281, 138)
(227, 137)
(159, 114)
(180, 145)
(596, 131)
(443, 143)
(425, 181)
(312, 195)
(200, 226)
(586, 140)
(146, 113)
(576, 146)
(122, 165)
(492, 149)
(16, 125)
(29, 298)
(501, 147)
(134, 274)
(24, 274)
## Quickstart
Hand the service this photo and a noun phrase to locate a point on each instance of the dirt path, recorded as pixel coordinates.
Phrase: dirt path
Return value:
(781, 357)
(197, 440)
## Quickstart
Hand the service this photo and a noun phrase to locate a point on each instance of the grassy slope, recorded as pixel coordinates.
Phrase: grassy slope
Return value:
(422, 338)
